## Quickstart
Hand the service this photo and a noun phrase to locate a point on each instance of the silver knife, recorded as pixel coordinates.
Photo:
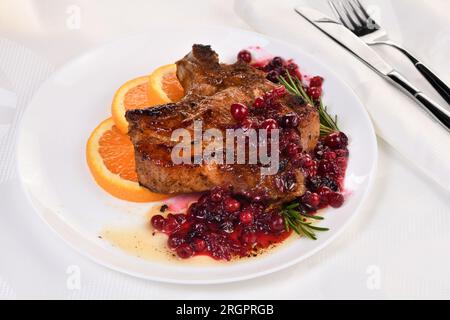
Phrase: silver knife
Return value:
(357, 47)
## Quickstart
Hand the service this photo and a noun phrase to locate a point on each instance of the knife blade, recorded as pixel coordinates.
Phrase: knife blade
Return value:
(344, 37)
(336, 31)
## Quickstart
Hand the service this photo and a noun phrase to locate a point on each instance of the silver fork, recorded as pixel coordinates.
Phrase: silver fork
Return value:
(353, 16)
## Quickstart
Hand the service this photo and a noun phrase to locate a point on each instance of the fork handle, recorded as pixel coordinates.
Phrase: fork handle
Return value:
(436, 110)
(433, 79)
(437, 83)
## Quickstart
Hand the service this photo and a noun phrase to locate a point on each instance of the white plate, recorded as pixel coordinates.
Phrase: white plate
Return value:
(57, 124)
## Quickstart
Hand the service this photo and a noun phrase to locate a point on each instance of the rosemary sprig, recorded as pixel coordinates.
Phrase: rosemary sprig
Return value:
(298, 221)
(295, 87)
(327, 123)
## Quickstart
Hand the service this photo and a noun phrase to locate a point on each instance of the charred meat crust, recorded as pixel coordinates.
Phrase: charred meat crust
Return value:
(210, 89)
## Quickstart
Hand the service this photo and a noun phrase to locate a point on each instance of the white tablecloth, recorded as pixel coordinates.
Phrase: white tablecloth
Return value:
(398, 247)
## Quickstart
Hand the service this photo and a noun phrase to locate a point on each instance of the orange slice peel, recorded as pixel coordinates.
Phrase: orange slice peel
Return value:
(132, 94)
(164, 86)
(110, 157)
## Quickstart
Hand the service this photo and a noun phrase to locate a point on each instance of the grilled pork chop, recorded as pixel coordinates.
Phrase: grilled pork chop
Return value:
(210, 89)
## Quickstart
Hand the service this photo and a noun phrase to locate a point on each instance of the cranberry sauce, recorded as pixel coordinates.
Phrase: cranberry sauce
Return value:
(324, 171)
(224, 225)
(276, 67)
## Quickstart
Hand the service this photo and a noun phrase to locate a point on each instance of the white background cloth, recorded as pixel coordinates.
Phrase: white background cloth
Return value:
(398, 247)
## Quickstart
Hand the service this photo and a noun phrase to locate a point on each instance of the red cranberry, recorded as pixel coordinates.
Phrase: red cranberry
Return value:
(336, 140)
(315, 92)
(329, 155)
(335, 199)
(269, 124)
(246, 216)
(199, 227)
(289, 135)
(327, 168)
(316, 81)
(239, 111)
(289, 121)
(319, 149)
(203, 199)
(247, 124)
(158, 222)
(311, 199)
(344, 138)
(342, 153)
(296, 160)
(197, 212)
(342, 163)
(175, 241)
(273, 76)
(199, 245)
(312, 170)
(275, 105)
(293, 149)
(277, 223)
(277, 62)
(180, 218)
(268, 67)
(292, 68)
(216, 195)
(316, 183)
(323, 191)
(278, 92)
(227, 226)
(232, 205)
(306, 161)
(171, 224)
(184, 251)
(249, 238)
(245, 56)
(259, 102)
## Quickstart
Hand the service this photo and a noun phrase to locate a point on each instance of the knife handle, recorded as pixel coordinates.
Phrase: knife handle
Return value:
(432, 78)
(437, 83)
(439, 112)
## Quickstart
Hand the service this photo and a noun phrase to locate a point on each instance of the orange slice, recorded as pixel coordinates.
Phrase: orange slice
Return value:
(163, 86)
(110, 157)
(131, 95)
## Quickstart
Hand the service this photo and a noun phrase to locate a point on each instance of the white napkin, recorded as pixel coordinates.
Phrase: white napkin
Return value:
(21, 73)
(397, 118)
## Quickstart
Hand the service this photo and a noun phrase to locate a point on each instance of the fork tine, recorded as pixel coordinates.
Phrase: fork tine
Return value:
(370, 22)
(349, 17)
(361, 18)
(338, 14)
(364, 12)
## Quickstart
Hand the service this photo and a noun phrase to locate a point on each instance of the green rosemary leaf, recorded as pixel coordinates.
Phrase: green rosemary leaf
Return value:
(318, 228)
(286, 224)
(294, 227)
(294, 214)
(311, 216)
(307, 233)
(292, 205)
(325, 118)
(293, 85)
(303, 92)
(296, 220)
